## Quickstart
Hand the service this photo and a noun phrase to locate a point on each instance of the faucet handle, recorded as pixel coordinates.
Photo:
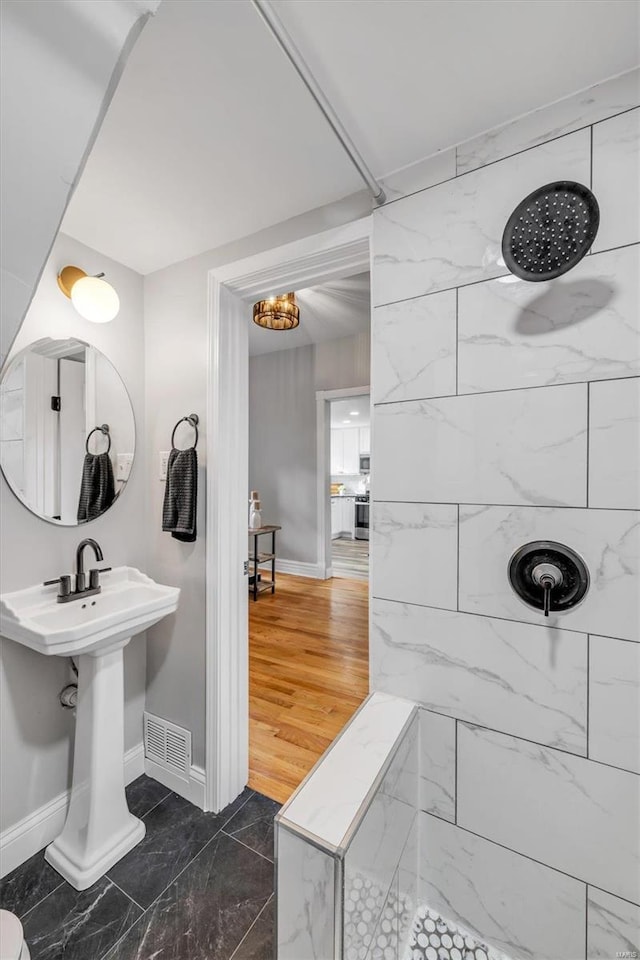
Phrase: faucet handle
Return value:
(94, 576)
(65, 585)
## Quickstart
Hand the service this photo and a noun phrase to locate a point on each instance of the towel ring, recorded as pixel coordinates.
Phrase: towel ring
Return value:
(104, 429)
(194, 420)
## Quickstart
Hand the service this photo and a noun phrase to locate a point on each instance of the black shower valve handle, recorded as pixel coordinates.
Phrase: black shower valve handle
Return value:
(547, 585)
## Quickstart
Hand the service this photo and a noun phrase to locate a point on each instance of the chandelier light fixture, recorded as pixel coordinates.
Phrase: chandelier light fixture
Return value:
(277, 313)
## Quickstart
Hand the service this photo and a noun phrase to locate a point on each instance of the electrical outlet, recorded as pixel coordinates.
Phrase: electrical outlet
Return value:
(123, 465)
(164, 461)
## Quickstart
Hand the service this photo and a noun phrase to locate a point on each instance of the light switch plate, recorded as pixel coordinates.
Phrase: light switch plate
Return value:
(164, 460)
(123, 465)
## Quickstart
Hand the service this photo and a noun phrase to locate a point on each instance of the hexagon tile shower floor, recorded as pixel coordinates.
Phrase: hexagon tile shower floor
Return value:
(433, 938)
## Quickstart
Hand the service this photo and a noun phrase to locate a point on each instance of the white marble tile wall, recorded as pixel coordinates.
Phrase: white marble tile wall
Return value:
(570, 813)
(614, 444)
(401, 369)
(416, 551)
(583, 326)
(354, 762)
(613, 927)
(589, 106)
(522, 679)
(608, 541)
(418, 176)
(526, 446)
(517, 411)
(338, 880)
(438, 765)
(614, 702)
(373, 856)
(305, 900)
(450, 235)
(408, 875)
(616, 184)
(523, 908)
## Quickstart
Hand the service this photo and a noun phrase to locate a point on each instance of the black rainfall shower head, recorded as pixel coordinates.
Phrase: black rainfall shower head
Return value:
(550, 231)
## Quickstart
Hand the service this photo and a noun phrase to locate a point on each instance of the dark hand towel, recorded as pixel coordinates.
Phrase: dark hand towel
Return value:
(97, 491)
(181, 495)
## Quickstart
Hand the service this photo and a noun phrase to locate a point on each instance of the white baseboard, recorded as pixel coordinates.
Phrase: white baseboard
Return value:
(191, 789)
(39, 828)
(297, 568)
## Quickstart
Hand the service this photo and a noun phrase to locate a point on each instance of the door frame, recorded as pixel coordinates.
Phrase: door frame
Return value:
(323, 453)
(333, 254)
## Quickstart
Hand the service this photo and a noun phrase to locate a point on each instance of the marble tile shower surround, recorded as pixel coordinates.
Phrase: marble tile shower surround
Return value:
(523, 679)
(338, 881)
(505, 412)
(608, 540)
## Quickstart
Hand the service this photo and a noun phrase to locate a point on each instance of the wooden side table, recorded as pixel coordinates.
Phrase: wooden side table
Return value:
(257, 585)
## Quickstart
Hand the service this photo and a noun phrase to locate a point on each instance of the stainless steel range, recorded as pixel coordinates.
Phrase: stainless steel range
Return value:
(362, 517)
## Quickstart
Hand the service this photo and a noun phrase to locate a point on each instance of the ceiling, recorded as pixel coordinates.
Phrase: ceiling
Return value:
(354, 412)
(340, 308)
(211, 135)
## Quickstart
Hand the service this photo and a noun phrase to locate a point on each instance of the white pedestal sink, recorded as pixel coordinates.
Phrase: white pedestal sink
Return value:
(99, 829)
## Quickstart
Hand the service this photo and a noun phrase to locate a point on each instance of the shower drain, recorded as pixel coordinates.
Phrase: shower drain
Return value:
(434, 938)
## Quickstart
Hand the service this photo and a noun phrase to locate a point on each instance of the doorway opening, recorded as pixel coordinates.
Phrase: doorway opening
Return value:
(308, 668)
(309, 614)
(350, 464)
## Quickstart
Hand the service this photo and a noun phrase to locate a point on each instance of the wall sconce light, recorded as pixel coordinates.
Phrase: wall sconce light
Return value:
(93, 297)
(277, 313)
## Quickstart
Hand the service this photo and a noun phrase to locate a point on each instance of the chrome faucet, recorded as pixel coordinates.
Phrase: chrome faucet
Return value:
(65, 593)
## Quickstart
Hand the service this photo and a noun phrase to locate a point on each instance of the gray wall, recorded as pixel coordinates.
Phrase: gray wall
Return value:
(36, 732)
(176, 384)
(282, 432)
(507, 412)
(59, 60)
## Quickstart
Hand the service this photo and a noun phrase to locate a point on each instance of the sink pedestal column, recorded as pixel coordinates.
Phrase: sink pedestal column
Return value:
(99, 829)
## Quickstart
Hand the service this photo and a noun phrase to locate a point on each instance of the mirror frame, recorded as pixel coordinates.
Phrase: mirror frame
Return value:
(5, 372)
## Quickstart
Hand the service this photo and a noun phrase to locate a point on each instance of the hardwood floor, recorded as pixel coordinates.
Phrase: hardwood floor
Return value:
(308, 673)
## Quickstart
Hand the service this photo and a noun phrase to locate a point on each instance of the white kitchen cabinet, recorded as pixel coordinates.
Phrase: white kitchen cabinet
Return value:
(336, 517)
(351, 451)
(343, 510)
(337, 452)
(348, 516)
(347, 443)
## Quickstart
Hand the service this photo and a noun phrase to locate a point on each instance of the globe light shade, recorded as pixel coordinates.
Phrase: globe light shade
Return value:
(95, 299)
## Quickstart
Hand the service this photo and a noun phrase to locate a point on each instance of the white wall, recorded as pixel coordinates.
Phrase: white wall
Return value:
(61, 63)
(36, 731)
(282, 433)
(177, 353)
(507, 412)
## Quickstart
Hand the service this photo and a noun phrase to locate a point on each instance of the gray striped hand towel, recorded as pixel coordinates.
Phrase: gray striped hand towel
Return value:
(181, 495)
(97, 490)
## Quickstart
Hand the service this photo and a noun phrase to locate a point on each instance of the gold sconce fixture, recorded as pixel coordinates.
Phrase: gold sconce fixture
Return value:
(277, 313)
(93, 297)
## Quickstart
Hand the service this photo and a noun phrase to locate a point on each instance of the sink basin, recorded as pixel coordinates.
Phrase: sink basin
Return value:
(129, 603)
(99, 829)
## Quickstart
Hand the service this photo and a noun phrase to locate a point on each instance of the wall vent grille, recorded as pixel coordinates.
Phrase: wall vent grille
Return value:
(167, 745)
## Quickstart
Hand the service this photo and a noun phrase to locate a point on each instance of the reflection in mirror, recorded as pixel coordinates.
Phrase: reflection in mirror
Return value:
(53, 396)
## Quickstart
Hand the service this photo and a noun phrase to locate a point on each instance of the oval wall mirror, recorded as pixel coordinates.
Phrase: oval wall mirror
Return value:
(67, 430)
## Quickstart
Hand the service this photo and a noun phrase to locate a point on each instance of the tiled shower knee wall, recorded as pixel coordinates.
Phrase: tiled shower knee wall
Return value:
(505, 412)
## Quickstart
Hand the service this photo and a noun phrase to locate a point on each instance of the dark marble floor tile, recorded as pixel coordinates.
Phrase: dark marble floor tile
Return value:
(207, 911)
(28, 884)
(259, 943)
(176, 832)
(144, 794)
(79, 925)
(253, 824)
